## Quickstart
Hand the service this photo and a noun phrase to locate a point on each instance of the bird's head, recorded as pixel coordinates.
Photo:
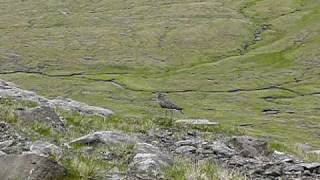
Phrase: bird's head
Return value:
(160, 95)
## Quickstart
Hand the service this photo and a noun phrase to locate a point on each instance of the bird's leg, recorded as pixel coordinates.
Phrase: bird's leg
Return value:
(171, 116)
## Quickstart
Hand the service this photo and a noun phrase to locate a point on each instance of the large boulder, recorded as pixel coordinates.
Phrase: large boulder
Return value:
(250, 147)
(31, 167)
(46, 149)
(11, 142)
(104, 137)
(43, 114)
(147, 162)
(147, 159)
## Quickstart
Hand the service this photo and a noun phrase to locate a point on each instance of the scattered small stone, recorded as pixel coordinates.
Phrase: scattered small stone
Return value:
(273, 171)
(88, 58)
(246, 125)
(270, 111)
(310, 165)
(292, 168)
(63, 12)
(197, 122)
(186, 149)
(307, 173)
(186, 142)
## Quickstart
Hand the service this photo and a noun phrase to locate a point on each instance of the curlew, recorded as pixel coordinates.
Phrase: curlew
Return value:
(167, 104)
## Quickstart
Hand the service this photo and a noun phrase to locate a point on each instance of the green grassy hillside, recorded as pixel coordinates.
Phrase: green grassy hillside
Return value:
(226, 60)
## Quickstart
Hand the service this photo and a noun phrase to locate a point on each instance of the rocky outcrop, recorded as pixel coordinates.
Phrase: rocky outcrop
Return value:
(19, 157)
(11, 142)
(147, 162)
(82, 108)
(147, 159)
(104, 137)
(250, 147)
(248, 155)
(46, 149)
(42, 114)
(8, 89)
(31, 167)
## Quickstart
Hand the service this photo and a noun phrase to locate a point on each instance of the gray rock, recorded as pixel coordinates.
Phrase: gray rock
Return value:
(31, 167)
(197, 122)
(42, 114)
(68, 104)
(310, 165)
(145, 148)
(293, 167)
(221, 149)
(145, 166)
(186, 149)
(11, 141)
(5, 144)
(8, 89)
(46, 149)
(187, 143)
(114, 177)
(104, 137)
(273, 171)
(2, 153)
(250, 147)
(114, 174)
(271, 111)
(147, 163)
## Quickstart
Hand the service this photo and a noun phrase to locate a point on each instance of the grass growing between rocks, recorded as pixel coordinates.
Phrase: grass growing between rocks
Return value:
(81, 162)
(182, 170)
(294, 150)
(205, 55)
(101, 160)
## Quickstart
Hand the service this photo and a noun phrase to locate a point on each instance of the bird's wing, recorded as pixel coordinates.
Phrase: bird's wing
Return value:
(173, 106)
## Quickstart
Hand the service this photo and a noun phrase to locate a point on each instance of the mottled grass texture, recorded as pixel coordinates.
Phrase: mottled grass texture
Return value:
(225, 60)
